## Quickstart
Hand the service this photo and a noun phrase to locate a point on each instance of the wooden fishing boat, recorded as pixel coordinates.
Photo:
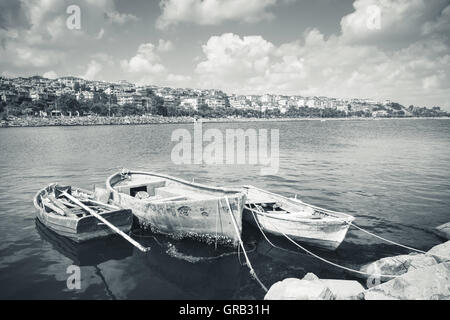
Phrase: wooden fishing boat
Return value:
(88, 253)
(179, 208)
(299, 221)
(66, 218)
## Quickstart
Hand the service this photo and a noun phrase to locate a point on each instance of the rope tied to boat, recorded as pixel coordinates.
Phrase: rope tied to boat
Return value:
(323, 259)
(330, 212)
(233, 219)
(310, 252)
(396, 243)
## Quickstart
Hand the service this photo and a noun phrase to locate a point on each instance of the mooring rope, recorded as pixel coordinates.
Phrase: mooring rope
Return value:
(252, 271)
(330, 212)
(396, 243)
(323, 259)
(311, 253)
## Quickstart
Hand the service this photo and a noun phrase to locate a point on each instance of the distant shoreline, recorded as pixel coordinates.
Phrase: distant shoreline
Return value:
(146, 120)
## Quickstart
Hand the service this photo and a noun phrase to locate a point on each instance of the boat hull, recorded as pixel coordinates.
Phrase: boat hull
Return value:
(85, 228)
(207, 220)
(297, 220)
(325, 235)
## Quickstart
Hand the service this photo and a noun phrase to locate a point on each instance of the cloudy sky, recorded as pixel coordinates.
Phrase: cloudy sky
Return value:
(380, 49)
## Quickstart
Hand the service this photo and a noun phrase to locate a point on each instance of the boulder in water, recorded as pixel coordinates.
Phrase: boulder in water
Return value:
(310, 276)
(345, 289)
(443, 231)
(296, 289)
(429, 283)
(313, 288)
(441, 252)
(398, 265)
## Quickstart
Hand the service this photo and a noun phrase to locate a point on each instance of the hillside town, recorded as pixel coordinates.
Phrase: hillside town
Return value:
(68, 97)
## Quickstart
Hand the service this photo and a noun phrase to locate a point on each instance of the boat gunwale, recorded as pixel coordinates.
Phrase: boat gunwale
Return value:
(232, 191)
(334, 220)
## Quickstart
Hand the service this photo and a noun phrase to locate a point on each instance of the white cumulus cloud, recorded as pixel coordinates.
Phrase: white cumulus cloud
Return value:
(165, 45)
(93, 69)
(212, 12)
(50, 75)
(145, 61)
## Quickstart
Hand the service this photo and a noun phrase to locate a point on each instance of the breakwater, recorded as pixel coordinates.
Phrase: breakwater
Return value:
(91, 121)
(150, 119)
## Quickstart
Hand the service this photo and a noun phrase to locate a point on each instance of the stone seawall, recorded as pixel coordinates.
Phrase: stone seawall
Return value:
(148, 119)
(91, 121)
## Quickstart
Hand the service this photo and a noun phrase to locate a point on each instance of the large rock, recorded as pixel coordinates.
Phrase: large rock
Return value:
(430, 283)
(443, 231)
(310, 276)
(295, 289)
(313, 288)
(441, 252)
(398, 265)
(345, 289)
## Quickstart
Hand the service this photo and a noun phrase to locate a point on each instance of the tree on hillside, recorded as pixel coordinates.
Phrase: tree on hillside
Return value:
(68, 103)
(101, 97)
(158, 107)
(98, 108)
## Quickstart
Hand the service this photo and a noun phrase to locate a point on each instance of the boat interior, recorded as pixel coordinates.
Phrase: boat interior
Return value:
(59, 205)
(268, 203)
(155, 188)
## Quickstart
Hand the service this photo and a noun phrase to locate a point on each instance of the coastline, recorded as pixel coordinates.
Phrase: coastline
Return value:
(147, 119)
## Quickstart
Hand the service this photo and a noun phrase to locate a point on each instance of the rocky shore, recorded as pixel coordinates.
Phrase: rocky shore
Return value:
(147, 119)
(91, 121)
(417, 277)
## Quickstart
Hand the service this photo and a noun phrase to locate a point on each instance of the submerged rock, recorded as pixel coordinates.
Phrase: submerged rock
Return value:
(443, 231)
(441, 252)
(398, 265)
(296, 289)
(429, 283)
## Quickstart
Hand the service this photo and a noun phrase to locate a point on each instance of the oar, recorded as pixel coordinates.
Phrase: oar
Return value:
(99, 217)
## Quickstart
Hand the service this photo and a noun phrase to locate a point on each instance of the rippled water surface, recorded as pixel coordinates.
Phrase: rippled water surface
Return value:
(392, 175)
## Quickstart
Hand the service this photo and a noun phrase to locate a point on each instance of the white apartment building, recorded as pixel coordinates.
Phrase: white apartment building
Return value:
(85, 95)
(215, 102)
(190, 103)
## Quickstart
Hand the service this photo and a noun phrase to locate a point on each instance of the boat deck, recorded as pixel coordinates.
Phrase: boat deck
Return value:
(153, 188)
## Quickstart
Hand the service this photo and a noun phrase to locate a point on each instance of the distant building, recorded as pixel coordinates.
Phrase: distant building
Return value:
(85, 95)
(125, 98)
(311, 103)
(215, 102)
(190, 103)
(379, 114)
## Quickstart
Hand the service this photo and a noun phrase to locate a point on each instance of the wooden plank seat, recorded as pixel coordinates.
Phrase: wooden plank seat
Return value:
(133, 188)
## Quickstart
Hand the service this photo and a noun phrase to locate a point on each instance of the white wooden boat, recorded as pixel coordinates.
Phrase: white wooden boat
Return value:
(68, 219)
(305, 223)
(179, 208)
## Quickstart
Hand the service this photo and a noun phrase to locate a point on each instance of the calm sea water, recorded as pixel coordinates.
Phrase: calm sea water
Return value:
(392, 175)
